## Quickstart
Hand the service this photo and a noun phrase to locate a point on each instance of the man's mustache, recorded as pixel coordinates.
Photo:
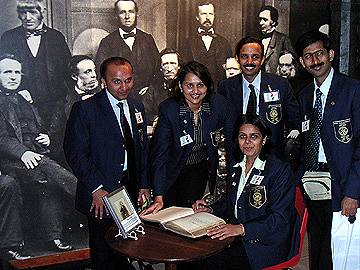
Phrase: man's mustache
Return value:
(250, 65)
(207, 21)
(317, 65)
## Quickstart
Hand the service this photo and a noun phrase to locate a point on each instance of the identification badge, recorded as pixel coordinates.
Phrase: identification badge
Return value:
(271, 96)
(185, 140)
(139, 118)
(256, 179)
(305, 125)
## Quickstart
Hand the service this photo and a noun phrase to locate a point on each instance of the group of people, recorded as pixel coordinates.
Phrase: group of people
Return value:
(184, 102)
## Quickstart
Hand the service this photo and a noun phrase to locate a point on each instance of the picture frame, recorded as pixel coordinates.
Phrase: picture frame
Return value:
(123, 212)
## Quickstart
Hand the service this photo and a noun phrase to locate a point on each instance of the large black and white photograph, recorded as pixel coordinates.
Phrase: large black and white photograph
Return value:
(99, 94)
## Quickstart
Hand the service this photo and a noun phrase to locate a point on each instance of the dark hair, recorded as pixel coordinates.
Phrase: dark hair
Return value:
(74, 61)
(9, 56)
(204, 3)
(136, 6)
(168, 51)
(200, 71)
(116, 60)
(274, 14)
(309, 38)
(265, 131)
(247, 40)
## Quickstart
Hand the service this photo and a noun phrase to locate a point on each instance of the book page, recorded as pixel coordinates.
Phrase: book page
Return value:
(168, 214)
(194, 225)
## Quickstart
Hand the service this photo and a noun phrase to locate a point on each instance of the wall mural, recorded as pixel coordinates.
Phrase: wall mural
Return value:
(40, 79)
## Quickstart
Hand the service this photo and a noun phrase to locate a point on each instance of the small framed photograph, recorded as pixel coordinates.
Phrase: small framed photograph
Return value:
(123, 211)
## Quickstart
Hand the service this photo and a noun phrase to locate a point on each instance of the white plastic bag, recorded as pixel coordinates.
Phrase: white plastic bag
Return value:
(345, 242)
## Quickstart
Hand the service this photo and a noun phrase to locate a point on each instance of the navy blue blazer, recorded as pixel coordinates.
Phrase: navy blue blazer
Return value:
(168, 156)
(94, 147)
(340, 134)
(278, 114)
(267, 213)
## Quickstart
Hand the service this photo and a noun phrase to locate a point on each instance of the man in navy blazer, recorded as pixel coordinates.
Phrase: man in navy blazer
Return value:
(97, 148)
(275, 101)
(133, 44)
(339, 146)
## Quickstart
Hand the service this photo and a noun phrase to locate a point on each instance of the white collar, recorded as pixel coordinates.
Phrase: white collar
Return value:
(325, 86)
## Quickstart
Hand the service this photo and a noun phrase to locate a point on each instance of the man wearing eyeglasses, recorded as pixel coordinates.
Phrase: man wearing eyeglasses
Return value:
(330, 115)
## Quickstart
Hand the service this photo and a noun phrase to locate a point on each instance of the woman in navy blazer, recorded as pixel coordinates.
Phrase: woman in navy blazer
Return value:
(184, 152)
(259, 206)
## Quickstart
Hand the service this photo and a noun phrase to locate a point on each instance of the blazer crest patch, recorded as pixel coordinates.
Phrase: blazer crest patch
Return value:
(257, 196)
(274, 113)
(343, 130)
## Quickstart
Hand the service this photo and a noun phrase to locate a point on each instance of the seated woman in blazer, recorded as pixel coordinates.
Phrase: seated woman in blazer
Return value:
(184, 153)
(259, 205)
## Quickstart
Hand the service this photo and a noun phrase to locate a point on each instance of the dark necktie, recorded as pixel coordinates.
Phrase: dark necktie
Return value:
(127, 35)
(252, 103)
(312, 140)
(125, 128)
(129, 145)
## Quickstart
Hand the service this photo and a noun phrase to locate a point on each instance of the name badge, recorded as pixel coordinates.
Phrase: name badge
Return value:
(305, 125)
(256, 179)
(271, 96)
(139, 118)
(185, 140)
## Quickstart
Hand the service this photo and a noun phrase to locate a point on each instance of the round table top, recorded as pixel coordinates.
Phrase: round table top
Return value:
(160, 246)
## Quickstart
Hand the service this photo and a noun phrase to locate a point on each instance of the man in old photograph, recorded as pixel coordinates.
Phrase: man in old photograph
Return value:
(130, 42)
(232, 67)
(274, 42)
(82, 81)
(24, 149)
(207, 46)
(44, 55)
(162, 87)
(11, 234)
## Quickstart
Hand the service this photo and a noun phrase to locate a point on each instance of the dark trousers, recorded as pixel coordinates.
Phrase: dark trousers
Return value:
(189, 186)
(102, 256)
(319, 231)
(10, 222)
(47, 180)
(232, 257)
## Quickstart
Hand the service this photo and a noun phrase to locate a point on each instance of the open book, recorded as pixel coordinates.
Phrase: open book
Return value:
(184, 221)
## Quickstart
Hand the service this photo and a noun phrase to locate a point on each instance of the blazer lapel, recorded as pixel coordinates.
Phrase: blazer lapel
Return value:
(105, 106)
(185, 125)
(234, 182)
(334, 91)
(263, 88)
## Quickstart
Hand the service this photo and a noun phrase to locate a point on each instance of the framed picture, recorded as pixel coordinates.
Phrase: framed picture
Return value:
(123, 211)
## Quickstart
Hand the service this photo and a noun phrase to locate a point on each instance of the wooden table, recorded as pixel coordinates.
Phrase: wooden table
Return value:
(159, 246)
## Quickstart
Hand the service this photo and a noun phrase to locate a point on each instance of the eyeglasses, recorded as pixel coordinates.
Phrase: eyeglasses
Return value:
(317, 54)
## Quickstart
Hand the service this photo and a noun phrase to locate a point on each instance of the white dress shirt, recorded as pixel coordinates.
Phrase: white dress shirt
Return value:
(246, 92)
(130, 40)
(324, 88)
(206, 38)
(33, 42)
(116, 109)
